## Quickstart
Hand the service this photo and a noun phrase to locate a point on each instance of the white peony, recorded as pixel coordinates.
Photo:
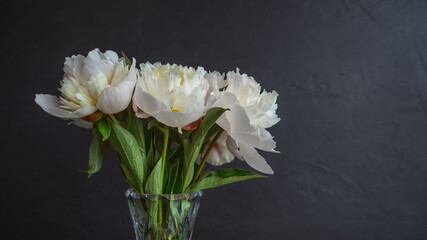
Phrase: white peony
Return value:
(251, 111)
(100, 81)
(260, 107)
(173, 94)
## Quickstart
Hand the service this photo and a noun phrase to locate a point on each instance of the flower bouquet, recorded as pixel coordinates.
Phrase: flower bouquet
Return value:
(164, 123)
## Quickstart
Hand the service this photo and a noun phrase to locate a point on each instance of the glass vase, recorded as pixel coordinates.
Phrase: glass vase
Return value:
(163, 216)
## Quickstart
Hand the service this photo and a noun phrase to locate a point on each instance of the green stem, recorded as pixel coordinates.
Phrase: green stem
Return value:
(199, 170)
(160, 213)
(165, 149)
(114, 119)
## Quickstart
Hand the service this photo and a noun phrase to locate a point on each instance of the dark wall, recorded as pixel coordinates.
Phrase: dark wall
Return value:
(352, 79)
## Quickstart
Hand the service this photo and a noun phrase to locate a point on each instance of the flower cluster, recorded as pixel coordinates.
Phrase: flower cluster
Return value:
(177, 97)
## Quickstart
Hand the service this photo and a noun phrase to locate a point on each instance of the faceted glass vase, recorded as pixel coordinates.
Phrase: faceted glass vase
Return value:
(163, 216)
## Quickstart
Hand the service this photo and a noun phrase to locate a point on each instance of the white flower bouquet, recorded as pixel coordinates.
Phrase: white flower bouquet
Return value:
(164, 122)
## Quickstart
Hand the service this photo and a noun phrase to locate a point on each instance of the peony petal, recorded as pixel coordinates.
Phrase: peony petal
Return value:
(216, 82)
(242, 131)
(210, 101)
(234, 148)
(147, 103)
(225, 100)
(266, 140)
(237, 124)
(73, 68)
(254, 159)
(176, 119)
(219, 154)
(239, 120)
(214, 158)
(260, 107)
(81, 123)
(97, 62)
(116, 99)
(160, 111)
(138, 112)
(51, 105)
(111, 55)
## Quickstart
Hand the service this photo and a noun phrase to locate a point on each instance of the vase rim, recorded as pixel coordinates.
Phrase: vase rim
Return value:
(176, 196)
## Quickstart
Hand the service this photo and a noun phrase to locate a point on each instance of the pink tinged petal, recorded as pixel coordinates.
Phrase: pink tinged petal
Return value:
(51, 105)
(193, 125)
(254, 159)
(213, 158)
(219, 154)
(138, 112)
(96, 62)
(141, 114)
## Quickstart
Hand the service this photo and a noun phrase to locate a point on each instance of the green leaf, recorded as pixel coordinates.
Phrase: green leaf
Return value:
(214, 129)
(191, 151)
(175, 214)
(208, 121)
(173, 173)
(153, 122)
(166, 176)
(104, 128)
(205, 173)
(153, 206)
(157, 155)
(173, 153)
(192, 147)
(125, 145)
(96, 154)
(154, 181)
(175, 136)
(222, 177)
(177, 188)
(150, 157)
(129, 177)
(128, 62)
(157, 139)
(136, 128)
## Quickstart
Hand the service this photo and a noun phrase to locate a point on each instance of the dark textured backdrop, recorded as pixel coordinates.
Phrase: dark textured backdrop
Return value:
(352, 79)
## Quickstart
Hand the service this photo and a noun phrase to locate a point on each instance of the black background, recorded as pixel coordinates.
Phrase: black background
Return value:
(352, 79)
